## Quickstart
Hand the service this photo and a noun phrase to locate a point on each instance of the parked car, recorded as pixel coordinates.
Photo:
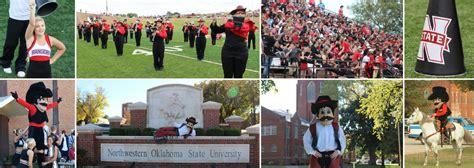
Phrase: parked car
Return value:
(414, 130)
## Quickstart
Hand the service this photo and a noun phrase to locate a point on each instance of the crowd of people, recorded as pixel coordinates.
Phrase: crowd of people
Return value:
(239, 33)
(309, 41)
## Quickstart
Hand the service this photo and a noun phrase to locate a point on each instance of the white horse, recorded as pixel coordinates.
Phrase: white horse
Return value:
(431, 138)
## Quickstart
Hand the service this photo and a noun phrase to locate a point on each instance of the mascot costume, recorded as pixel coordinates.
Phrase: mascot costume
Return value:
(37, 104)
(441, 113)
(183, 129)
(324, 140)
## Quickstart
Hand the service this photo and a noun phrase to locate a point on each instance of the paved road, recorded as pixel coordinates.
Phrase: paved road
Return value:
(413, 146)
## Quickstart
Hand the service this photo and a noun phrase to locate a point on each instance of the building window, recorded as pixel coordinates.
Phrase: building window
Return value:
(301, 90)
(274, 148)
(311, 92)
(269, 130)
(321, 84)
(287, 150)
(296, 151)
(262, 148)
(273, 130)
(296, 131)
(287, 134)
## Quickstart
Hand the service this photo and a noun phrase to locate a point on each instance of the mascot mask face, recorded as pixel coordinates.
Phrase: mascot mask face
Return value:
(41, 103)
(38, 95)
(439, 96)
(326, 115)
(324, 109)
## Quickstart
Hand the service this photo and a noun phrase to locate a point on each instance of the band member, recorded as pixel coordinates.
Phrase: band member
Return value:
(441, 113)
(158, 45)
(27, 155)
(132, 30)
(96, 28)
(324, 141)
(125, 36)
(88, 32)
(192, 34)
(20, 136)
(234, 53)
(40, 47)
(137, 27)
(148, 29)
(213, 31)
(17, 24)
(186, 31)
(201, 39)
(183, 129)
(169, 30)
(119, 37)
(84, 29)
(105, 33)
(251, 38)
(80, 28)
(37, 105)
(114, 29)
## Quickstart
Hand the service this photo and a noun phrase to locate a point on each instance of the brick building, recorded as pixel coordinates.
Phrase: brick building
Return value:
(65, 118)
(461, 103)
(282, 138)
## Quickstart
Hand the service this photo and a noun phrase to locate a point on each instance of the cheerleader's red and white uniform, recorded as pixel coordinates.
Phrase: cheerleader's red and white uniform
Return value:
(39, 56)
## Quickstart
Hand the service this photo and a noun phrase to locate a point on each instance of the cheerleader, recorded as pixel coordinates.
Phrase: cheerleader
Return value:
(40, 44)
(20, 137)
(158, 45)
(27, 155)
(51, 154)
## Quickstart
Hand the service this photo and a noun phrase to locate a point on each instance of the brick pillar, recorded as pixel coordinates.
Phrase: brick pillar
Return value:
(115, 121)
(211, 112)
(234, 121)
(138, 115)
(86, 140)
(254, 131)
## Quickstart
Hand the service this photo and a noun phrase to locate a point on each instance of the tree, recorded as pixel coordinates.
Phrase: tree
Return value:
(90, 106)
(386, 14)
(237, 97)
(464, 85)
(415, 96)
(268, 85)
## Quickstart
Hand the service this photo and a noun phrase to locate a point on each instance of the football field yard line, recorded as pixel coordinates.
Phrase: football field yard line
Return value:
(183, 56)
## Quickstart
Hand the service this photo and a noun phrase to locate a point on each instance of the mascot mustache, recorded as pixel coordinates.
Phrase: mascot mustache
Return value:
(43, 104)
(325, 118)
(436, 104)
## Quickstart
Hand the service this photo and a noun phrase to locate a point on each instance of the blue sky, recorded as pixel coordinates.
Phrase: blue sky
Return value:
(160, 7)
(122, 91)
(284, 99)
(333, 5)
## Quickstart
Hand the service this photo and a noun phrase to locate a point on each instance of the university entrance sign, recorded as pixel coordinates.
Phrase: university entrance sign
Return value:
(175, 153)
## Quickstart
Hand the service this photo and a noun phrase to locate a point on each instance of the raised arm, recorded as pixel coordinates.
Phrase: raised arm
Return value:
(54, 104)
(60, 49)
(31, 25)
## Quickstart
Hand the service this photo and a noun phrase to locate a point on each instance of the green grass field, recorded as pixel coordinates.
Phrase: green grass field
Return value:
(94, 62)
(447, 159)
(415, 11)
(61, 25)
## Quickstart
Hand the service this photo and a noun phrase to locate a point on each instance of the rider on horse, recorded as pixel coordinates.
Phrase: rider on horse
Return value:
(441, 112)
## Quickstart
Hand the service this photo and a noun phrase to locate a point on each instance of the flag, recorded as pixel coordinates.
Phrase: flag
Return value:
(440, 52)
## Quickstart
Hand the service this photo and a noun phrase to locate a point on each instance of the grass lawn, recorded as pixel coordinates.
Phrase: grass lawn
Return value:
(415, 12)
(446, 159)
(345, 165)
(94, 62)
(61, 25)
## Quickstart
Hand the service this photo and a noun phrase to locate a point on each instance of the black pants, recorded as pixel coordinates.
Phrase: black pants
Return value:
(104, 37)
(200, 47)
(151, 37)
(15, 32)
(84, 34)
(214, 38)
(171, 35)
(39, 69)
(251, 39)
(168, 37)
(186, 37)
(95, 36)
(125, 37)
(148, 34)
(79, 31)
(37, 133)
(158, 53)
(138, 37)
(88, 36)
(131, 34)
(119, 44)
(233, 67)
(191, 40)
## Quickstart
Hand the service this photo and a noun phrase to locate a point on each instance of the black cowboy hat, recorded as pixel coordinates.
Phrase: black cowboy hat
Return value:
(36, 91)
(239, 8)
(323, 101)
(439, 92)
(191, 120)
(159, 20)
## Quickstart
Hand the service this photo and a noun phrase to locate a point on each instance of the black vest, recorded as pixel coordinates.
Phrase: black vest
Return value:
(39, 117)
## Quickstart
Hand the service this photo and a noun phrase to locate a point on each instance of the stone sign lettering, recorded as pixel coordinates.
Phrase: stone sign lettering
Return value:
(175, 153)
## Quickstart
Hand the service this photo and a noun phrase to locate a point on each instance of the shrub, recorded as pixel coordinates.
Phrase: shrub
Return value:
(232, 132)
(148, 132)
(200, 132)
(132, 132)
(116, 132)
(215, 132)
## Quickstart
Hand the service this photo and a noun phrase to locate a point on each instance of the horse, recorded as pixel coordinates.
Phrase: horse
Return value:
(431, 138)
